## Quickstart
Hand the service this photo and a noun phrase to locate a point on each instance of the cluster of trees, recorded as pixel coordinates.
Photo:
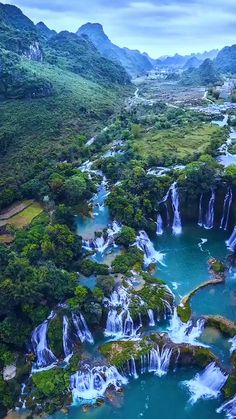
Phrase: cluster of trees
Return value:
(134, 202)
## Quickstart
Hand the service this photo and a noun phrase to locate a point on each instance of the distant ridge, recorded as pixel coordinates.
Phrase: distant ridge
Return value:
(132, 60)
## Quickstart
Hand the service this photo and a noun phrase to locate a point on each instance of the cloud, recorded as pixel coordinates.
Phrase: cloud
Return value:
(156, 26)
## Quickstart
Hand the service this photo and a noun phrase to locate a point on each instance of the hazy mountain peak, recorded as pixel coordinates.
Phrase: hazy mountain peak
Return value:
(44, 30)
(132, 60)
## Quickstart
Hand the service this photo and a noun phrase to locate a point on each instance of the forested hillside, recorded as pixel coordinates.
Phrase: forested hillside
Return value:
(55, 91)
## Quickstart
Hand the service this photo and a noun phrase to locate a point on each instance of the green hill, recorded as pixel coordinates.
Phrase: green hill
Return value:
(53, 90)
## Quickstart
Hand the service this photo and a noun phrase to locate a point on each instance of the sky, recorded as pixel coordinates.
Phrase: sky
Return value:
(159, 27)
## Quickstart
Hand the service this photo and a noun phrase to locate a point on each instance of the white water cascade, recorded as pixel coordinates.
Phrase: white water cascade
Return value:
(229, 408)
(101, 243)
(233, 344)
(176, 226)
(210, 214)
(206, 385)
(200, 216)
(150, 254)
(82, 330)
(45, 357)
(173, 192)
(226, 209)
(157, 361)
(180, 332)
(67, 343)
(119, 321)
(92, 383)
(121, 325)
(159, 225)
(151, 317)
(132, 368)
(231, 243)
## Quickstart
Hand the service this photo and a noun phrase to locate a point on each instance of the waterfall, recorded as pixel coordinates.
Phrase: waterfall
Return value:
(92, 383)
(159, 225)
(200, 217)
(209, 219)
(114, 326)
(67, 343)
(101, 243)
(226, 209)
(45, 356)
(180, 332)
(119, 322)
(132, 368)
(82, 330)
(150, 254)
(231, 243)
(158, 361)
(233, 344)
(119, 297)
(151, 317)
(206, 385)
(177, 226)
(229, 408)
(120, 325)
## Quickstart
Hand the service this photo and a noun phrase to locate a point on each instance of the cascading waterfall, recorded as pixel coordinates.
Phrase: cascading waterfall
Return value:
(119, 297)
(150, 254)
(176, 226)
(210, 214)
(119, 322)
(180, 332)
(151, 318)
(132, 368)
(45, 357)
(92, 383)
(206, 385)
(114, 325)
(159, 225)
(226, 209)
(67, 343)
(101, 243)
(200, 216)
(82, 330)
(229, 408)
(233, 344)
(121, 325)
(157, 361)
(231, 243)
(174, 193)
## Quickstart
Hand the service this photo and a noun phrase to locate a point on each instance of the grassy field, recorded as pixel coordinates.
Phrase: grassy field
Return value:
(184, 143)
(24, 217)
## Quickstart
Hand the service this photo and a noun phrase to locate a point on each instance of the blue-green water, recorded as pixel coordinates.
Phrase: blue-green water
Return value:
(151, 397)
(185, 267)
(220, 299)
(186, 258)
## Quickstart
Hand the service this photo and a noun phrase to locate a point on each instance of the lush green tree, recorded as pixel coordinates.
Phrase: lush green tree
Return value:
(107, 284)
(64, 215)
(60, 245)
(75, 189)
(126, 237)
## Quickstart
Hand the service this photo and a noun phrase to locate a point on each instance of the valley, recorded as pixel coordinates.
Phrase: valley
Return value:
(117, 229)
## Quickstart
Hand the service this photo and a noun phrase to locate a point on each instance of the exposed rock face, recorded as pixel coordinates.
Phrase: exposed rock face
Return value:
(34, 52)
(9, 372)
(226, 326)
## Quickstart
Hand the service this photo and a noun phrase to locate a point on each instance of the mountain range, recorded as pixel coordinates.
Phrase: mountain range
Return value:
(133, 61)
